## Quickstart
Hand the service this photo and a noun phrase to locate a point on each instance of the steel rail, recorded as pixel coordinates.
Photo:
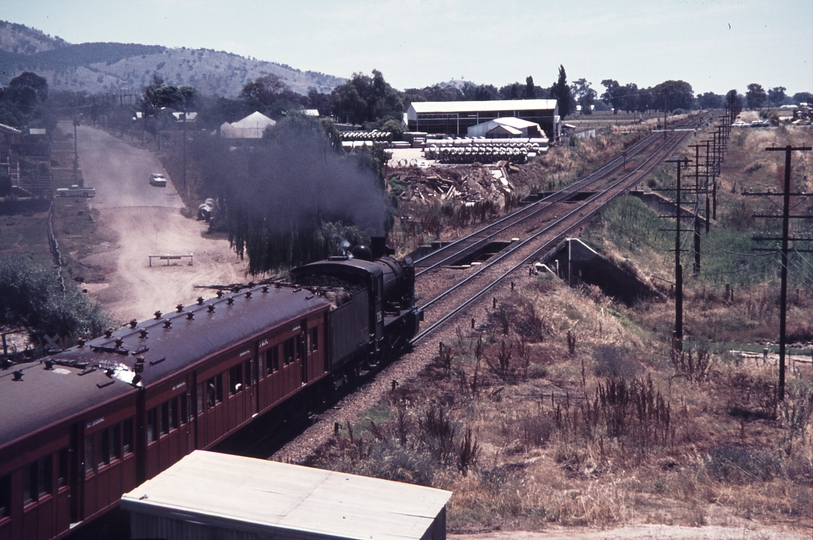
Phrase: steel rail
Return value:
(533, 210)
(643, 169)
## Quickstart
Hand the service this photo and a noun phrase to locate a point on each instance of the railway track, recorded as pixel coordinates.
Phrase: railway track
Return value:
(443, 308)
(504, 226)
(449, 301)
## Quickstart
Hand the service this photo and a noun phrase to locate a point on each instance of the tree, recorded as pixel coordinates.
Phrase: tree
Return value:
(23, 102)
(802, 97)
(613, 94)
(733, 102)
(271, 96)
(366, 99)
(30, 297)
(585, 96)
(755, 96)
(776, 96)
(671, 95)
(157, 98)
(28, 90)
(483, 92)
(562, 93)
(511, 91)
(530, 89)
(710, 100)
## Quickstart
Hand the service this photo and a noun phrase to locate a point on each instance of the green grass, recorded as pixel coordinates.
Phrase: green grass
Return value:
(25, 234)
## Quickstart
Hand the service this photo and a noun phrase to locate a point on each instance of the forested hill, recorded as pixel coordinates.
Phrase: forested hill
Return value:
(98, 68)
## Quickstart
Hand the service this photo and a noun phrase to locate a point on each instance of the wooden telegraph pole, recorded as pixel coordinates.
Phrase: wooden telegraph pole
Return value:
(678, 337)
(785, 239)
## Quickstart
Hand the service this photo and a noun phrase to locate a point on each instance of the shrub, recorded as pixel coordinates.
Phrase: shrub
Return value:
(613, 362)
(740, 465)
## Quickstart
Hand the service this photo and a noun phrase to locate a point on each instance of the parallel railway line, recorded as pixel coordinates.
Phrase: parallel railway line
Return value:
(451, 301)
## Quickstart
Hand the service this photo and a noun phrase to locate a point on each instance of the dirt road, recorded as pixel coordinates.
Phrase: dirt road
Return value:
(145, 220)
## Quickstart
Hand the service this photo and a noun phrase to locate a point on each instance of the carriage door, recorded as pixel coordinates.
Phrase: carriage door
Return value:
(76, 473)
(302, 348)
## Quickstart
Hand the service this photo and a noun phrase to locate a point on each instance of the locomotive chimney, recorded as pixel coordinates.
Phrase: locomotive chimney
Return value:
(378, 245)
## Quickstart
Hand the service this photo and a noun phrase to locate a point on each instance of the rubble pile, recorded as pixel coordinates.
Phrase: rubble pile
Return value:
(467, 184)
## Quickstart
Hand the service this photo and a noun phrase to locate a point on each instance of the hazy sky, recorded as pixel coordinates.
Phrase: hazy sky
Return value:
(715, 45)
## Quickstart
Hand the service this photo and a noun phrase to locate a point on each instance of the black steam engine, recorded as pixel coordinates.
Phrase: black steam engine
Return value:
(94, 421)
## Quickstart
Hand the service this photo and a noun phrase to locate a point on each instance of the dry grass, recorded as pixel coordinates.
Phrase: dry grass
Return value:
(580, 415)
(548, 449)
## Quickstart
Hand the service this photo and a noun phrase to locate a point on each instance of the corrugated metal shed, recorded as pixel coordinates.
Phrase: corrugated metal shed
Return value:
(222, 496)
(429, 107)
(453, 117)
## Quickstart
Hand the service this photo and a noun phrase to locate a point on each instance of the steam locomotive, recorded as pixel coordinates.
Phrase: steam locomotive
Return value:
(92, 422)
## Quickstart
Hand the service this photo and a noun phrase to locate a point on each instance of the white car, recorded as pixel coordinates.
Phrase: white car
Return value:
(740, 124)
(76, 191)
(158, 179)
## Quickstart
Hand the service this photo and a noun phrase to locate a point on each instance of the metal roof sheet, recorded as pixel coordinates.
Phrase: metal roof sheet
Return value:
(502, 105)
(252, 492)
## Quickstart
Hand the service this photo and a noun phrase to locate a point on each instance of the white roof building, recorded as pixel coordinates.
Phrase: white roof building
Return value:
(454, 117)
(220, 496)
(507, 127)
(251, 127)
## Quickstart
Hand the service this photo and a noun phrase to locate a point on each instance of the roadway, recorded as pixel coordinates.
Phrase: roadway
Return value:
(139, 220)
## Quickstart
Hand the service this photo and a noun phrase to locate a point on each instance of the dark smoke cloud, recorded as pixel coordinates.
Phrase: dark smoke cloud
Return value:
(295, 179)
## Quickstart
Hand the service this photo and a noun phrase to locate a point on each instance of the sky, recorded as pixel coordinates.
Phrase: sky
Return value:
(714, 45)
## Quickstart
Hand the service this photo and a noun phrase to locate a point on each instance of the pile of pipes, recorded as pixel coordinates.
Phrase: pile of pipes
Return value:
(484, 150)
(374, 135)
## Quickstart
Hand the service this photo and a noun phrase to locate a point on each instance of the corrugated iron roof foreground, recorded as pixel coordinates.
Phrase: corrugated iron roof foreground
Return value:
(255, 495)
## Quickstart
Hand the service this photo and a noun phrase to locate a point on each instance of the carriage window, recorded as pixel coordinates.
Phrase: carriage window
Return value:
(214, 390)
(62, 474)
(313, 339)
(249, 375)
(200, 400)
(184, 408)
(165, 418)
(272, 359)
(5, 495)
(173, 413)
(44, 471)
(90, 454)
(152, 426)
(29, 481)
(236, 379)
(104, 448)
(115, 442)
(288, 351)
(127, 440)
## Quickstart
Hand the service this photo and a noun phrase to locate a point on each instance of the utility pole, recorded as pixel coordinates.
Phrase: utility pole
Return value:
(678, 337)
(697, 207)
(75, 149)
(184, 149)
(785, 238)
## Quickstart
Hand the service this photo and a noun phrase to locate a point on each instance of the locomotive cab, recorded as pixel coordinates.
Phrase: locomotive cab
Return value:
(373, 305)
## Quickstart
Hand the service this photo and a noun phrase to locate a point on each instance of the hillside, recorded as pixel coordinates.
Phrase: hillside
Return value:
(117, 67)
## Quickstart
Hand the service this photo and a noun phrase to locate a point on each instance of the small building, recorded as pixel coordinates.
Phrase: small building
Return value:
(455, 117)
(507, 128)
(220, 496)
(251, 127)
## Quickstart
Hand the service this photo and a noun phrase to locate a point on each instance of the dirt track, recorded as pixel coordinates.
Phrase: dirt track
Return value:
(143, 220)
